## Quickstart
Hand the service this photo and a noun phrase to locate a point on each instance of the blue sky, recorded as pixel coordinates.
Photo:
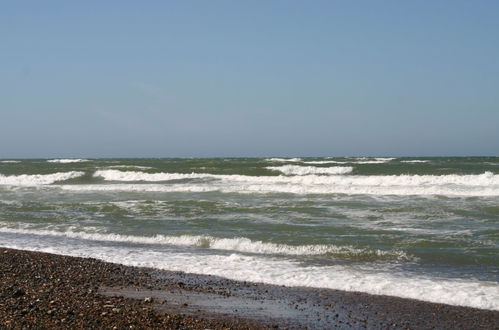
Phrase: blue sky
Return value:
(248, 78)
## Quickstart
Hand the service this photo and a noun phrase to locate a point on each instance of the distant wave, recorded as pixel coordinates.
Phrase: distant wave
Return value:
(283, 160)
(378, 160)
(414, 161)
(37, 179)
(9, 161)
(320, 162)
(66, 161)
(361, 160)
(130, 176)
(131, 166)
(238, 244)
(306, 170)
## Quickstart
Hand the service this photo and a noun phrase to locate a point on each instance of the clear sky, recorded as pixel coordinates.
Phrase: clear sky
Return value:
(248, 78)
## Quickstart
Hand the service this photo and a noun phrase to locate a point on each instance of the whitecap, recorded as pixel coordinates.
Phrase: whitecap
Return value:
(283, 160)
(67, 161)
(306, 170)
(237, 244)
(37, 179)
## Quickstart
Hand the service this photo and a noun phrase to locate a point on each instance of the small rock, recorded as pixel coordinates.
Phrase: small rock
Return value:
(148, 299)
(19, 293)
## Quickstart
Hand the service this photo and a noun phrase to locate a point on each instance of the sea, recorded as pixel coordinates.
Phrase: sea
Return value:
(422, 228)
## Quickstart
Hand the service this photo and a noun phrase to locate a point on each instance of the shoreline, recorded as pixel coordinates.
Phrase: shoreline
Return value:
(45, 290)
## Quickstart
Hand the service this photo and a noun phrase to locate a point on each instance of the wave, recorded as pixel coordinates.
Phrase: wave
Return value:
(283, 160)
(306, 170)
(486, 184)
(320, 162)
(237, 244)
(131, 176)
(37, 179)
(10, 161)
(131, 166)
(414, 161)
(361, 160)
(66, 161)
(379, 160)
(370, 278)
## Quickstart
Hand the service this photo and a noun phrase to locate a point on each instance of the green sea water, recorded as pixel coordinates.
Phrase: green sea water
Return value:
(422, 228)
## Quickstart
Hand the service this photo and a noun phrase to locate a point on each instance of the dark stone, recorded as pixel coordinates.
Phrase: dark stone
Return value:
(19, 293)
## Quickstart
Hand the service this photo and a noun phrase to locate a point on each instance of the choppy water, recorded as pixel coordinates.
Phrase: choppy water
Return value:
(424, 228)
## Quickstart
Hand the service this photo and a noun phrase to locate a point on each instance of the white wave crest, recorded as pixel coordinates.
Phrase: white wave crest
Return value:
(486, 184)
(9, 161)
(319, 162)
(66, 161)
(37, 179)
(130, 176)
(379, 160)
(306, 170)
(131, 166)
(361, 160)
(283, 160)
(237, 244)
(414, 161)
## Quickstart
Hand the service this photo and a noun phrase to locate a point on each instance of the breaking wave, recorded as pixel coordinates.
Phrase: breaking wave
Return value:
(66, 161)
(131, 166)
(306, 170)
(283, 160)
(237, 244)
(320, 162)
(37, 179)
(131, 176)
(414, 161)
(486, 184)
(361, 160)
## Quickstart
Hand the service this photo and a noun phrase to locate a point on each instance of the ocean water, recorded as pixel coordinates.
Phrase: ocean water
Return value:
(423, 228)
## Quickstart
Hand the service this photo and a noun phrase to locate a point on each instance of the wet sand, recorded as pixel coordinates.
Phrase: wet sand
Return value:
(40, 290)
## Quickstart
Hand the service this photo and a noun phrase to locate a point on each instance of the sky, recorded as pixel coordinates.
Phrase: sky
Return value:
(249, 78)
